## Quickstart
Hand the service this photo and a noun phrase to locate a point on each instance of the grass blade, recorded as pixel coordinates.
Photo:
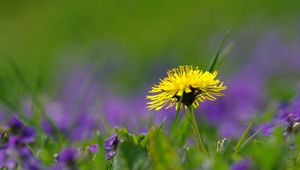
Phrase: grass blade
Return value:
(242, 138)
(216, 57)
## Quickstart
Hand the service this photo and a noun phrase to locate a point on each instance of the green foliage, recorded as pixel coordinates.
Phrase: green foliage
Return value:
(162, 152)
(242, 138)
(269, 153)
(192, 157)
(140, 139)
(100, 157)
(181, 133)
(131, 157)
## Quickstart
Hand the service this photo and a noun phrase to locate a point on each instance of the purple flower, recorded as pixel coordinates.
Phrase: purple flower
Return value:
(15, 124)
(244, 164)
(25, 134)
(28, 135)
(110, 146)
(267, 128)
(288, 115)
(94, 148)
(29, 161)
(47, 128)
(67, 155)
(6, 160)
(67, 158)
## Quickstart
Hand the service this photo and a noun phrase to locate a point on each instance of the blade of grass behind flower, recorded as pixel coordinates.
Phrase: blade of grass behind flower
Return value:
(216, 57)
(242, 138)
(162, 122)
(226, 50)
(250, 138)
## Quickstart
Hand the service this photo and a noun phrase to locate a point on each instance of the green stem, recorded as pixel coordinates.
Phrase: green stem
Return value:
(243, 138)
(195, 129)
(176, 120)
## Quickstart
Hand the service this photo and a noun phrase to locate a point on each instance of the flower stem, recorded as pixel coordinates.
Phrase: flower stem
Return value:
(196, 130)
(176, 120)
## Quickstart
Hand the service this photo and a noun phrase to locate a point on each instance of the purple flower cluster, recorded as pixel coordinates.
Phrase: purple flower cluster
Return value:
(85, 105)
(14, 145)
(288, 116)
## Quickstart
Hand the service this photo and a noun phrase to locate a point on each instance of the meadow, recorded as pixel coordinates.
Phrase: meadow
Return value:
(149, 85)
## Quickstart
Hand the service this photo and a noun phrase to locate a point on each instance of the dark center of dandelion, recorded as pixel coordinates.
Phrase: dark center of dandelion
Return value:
(189, 98)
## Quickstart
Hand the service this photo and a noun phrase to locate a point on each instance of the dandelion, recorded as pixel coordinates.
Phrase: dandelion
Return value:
(187, 84)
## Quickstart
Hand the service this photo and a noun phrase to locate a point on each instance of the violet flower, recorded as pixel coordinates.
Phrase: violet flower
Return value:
(28, 160)
(244, 164)
(288, 115)
(67, 158)
(25, 134)
(110, 146)
(94, 148)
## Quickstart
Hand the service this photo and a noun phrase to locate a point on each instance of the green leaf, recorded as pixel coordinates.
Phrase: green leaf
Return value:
(162, 152)
(216, 57)
(140, 139)
(270, 153)
(131, 157)
(242, 138)
(193, 157)
(100, 156)
(182, 132)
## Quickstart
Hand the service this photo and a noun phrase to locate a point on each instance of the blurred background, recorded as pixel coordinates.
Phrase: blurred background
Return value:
(116, 50)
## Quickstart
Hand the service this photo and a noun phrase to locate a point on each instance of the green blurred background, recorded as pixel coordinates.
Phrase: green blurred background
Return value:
(38, 34)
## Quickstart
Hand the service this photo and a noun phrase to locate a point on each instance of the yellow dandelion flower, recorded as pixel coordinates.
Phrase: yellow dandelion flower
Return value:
(188, 82)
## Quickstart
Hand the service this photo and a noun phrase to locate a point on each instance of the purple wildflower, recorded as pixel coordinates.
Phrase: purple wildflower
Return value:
(94, 148)
(47, 128)
(28, 135)
(67, 158)
(7, 161)
(267, 128)
(110, 146)
(25, 134)
(28, 160)
(15, 124)
(244, 164)
(288, 115)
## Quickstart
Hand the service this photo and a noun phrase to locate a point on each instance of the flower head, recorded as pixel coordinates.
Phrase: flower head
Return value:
(187, 83)
(94, 148)
(110, 146)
